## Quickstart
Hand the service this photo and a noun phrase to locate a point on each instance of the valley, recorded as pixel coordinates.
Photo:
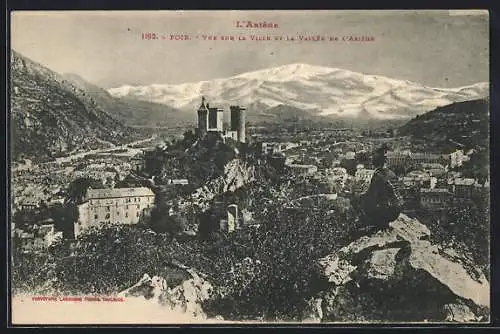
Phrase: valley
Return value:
(250, 212)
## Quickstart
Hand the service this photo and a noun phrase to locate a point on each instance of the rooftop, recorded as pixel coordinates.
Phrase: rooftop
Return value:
(119, 192)
(464, 182)
(398, 153)
(434, 190)
(433, 166)
(427, 155)
(301, 166)
(365, 171)
(416, 178)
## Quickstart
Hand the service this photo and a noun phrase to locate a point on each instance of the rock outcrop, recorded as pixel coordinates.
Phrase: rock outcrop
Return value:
(184, 299)
(398, 275)
(237, 173)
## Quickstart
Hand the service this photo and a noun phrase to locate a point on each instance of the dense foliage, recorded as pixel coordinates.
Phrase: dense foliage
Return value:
(282, 275)
(111, 259)
(478, 167)
(463, 227)
(77, 189)
(63, 217)
(101, 261)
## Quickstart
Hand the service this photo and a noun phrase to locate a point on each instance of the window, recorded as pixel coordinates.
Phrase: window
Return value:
(107, 208)
(96, 217)
(137, 214)
(126, 214)
(126, 207)
(117, 213)
(138, 206)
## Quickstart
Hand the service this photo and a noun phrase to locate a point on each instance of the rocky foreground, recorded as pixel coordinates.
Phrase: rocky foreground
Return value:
(184, 300)
(394, 275)
(399, 275)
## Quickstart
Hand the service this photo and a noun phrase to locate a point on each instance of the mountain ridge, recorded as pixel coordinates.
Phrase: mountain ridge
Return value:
(464, 124)
(318, 90)
(131, 112)
(50, 116)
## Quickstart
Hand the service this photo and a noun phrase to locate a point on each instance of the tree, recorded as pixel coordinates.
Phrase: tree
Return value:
(478, 166)
(207, 225)
(175, 224)
(25, 217)
(363, 158)
(189, 137)
(64, 218)
(77, 189)
(130, 181)
(283, 248)
(349, 165)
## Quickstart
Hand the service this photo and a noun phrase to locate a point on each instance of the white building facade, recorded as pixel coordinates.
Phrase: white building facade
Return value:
(113, 206)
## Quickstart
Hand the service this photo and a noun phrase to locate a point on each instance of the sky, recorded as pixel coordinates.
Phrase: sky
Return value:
(435, 48)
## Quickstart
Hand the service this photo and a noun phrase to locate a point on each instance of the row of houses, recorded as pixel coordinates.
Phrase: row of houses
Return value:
(431, 190)
(34, 197)
(38, 238)
(407, 159)
(456, 190)
(277, 147)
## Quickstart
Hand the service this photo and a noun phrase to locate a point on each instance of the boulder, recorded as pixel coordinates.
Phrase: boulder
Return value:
(382, 264)
(459, 313)
(147, 287)
(397, 274)
(185, 298)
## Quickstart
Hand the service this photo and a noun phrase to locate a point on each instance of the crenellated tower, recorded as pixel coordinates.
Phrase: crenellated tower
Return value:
(238, 122)
(202, 118)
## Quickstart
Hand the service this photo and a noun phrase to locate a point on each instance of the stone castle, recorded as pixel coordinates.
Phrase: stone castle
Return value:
(211, 119)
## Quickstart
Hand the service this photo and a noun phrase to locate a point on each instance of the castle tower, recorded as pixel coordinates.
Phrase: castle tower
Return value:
(238, 122)
(215, 119)
(202, 118)
(232, 217)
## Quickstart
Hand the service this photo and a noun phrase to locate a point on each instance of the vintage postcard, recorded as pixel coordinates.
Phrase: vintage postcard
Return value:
(173, 167)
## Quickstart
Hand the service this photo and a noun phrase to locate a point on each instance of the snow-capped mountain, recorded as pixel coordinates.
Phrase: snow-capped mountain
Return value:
(318, 90)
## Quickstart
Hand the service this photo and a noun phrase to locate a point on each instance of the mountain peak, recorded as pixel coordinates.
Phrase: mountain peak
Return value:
(287, 72)
(325, 90)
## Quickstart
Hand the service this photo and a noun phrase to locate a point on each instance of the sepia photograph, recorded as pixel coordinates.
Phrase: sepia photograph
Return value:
(249, 167)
